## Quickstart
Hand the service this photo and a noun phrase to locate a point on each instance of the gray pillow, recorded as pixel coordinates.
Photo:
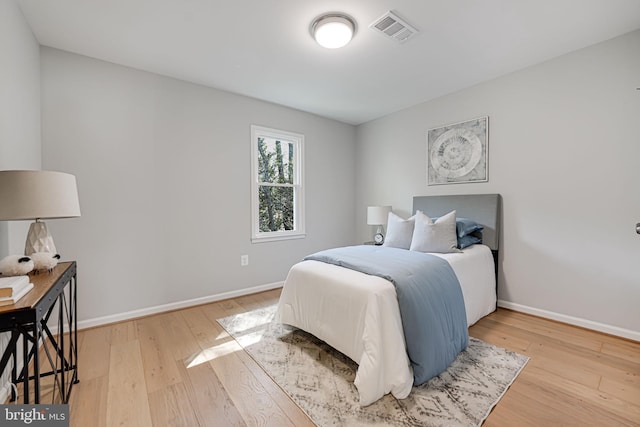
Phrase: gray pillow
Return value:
(439, 236)
(399, 231)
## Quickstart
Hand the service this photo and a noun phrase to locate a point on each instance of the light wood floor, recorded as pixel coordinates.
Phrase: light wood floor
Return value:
(181, 369)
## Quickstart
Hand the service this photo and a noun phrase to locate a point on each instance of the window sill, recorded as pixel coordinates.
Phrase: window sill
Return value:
(273, 238)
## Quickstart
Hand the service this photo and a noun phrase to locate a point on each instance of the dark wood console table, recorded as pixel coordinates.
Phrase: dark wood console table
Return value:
(28, 318)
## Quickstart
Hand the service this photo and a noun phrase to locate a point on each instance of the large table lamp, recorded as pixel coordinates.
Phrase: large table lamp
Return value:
(378, 215)
(38, 195)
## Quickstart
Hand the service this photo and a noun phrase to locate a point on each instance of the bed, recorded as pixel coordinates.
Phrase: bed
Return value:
(358, 314)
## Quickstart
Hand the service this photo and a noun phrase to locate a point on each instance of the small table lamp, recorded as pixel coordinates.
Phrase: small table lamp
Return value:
(28, 194)
(378, 215)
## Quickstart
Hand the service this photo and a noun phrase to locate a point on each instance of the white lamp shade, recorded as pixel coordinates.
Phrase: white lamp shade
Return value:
(333, 30)
(378, 215)
(28, 194)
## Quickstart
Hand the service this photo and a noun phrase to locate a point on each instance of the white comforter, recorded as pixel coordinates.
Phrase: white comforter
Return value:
(358, 315)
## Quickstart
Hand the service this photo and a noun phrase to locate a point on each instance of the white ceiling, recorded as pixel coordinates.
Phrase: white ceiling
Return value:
(263, 49)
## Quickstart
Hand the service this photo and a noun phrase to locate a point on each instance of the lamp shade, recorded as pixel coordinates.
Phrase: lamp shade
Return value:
(378, 215)
(29, 194)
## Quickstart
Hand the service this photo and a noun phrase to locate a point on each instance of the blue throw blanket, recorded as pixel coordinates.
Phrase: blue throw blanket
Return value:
(429, 296)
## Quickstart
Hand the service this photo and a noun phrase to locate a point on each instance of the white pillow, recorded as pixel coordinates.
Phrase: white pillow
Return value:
(399, 231)
(439, 236)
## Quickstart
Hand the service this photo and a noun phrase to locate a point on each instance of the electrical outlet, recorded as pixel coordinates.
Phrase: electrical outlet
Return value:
(244, 260)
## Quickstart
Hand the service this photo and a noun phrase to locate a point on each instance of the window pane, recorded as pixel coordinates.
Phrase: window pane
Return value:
(275, 208)
(275, 161)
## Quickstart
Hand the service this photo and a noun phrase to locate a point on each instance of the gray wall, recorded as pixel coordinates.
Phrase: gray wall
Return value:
(19, 109)
(564, 153)
(163, 169)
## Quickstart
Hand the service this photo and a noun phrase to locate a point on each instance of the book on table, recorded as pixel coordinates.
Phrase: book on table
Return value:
(15, 298)
(10, 286)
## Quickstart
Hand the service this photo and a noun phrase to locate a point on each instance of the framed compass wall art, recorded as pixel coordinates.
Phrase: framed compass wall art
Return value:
(458, 152)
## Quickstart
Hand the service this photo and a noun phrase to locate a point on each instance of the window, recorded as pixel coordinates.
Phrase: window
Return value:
(276, 185)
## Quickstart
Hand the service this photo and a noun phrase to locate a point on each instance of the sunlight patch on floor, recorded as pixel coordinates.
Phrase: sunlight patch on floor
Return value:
(224, 348)
(212, 353)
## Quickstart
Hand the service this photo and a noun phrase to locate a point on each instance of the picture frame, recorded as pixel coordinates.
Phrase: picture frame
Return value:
(458, 152)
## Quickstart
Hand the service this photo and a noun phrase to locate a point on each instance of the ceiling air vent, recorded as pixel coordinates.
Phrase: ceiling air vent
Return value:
(392, 26)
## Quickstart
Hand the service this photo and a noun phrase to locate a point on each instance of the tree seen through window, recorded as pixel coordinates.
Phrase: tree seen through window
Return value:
(276, 184)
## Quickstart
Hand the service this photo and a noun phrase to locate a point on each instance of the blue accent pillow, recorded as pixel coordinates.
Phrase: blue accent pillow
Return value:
(468, 240)
(465, 226)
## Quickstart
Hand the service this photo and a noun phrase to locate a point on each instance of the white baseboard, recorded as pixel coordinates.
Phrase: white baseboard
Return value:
(576, 321)
(98, 321)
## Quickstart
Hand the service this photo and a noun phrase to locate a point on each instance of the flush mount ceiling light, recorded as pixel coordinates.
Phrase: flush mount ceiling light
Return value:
(333, 30)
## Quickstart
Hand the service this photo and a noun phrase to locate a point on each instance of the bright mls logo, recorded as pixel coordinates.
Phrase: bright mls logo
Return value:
(34, 415)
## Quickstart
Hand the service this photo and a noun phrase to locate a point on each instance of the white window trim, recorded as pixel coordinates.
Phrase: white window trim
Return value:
(298, 180)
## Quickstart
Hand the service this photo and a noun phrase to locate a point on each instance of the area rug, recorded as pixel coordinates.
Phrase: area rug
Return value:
(320, 379)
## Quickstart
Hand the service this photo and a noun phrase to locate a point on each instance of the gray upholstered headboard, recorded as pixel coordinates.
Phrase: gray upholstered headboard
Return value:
(482, 208)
